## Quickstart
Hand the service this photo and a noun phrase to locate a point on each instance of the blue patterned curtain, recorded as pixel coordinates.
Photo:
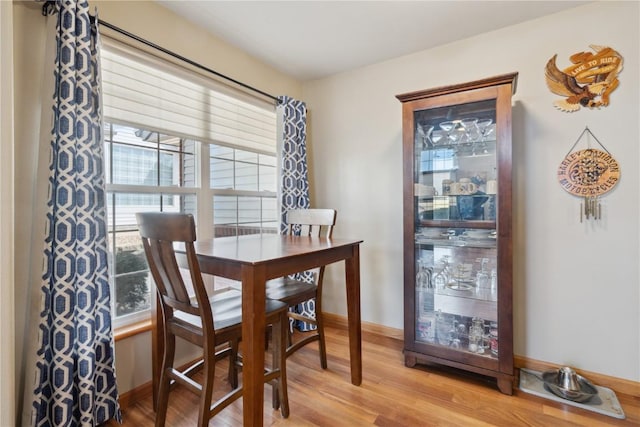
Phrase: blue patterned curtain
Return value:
(75, 381)
(295, 182)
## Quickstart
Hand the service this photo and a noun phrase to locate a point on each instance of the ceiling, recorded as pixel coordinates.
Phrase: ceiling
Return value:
(313, 39)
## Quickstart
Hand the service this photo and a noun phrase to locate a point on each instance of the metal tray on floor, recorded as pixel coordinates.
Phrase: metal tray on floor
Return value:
(605, 402)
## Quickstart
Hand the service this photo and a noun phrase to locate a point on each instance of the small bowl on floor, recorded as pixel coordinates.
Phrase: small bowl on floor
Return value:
(566, 383)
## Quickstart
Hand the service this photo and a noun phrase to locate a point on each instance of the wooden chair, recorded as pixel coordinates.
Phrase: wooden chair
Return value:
(310, 222)
(207, 322)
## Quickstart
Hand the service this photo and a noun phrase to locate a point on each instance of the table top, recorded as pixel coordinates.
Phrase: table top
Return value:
(261, 248)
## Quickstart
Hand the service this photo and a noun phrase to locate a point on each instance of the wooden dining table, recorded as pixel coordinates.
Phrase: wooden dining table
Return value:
(254, 259)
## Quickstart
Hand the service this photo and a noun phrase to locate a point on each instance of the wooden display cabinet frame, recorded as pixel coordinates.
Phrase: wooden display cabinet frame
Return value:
(499, 88)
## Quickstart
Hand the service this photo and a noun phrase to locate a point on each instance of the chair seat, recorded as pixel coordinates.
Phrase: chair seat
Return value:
(290, 291)
(226, 308)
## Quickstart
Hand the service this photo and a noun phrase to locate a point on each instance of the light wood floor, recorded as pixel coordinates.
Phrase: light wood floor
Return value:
(390, 395)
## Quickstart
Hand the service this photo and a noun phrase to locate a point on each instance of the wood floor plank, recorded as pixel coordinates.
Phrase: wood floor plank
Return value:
(391, 395)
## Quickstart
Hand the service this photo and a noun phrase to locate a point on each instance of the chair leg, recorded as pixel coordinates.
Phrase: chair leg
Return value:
(233, 364)
(208, 370)
(279, 392)
(267, 337)
(291, 325)
(276, 338)
(321, 341)
(165, 379)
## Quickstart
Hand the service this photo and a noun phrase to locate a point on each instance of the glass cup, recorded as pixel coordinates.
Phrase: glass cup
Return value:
(472, 132)
(444, 332)
(467, 187)
(492, 186)
(438, 137)
(476, 335)
(475, 343)
(449, 128)
(425, 131)
(482, 280)
(483, 126)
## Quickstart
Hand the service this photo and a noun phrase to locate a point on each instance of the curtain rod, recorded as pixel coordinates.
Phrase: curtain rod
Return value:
(49, 8)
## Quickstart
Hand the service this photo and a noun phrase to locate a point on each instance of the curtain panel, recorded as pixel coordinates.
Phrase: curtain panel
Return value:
(294, 186)
(74, 373)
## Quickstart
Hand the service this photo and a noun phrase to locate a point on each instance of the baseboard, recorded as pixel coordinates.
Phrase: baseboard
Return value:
(129, 398)
(340, 322)
(619, 385)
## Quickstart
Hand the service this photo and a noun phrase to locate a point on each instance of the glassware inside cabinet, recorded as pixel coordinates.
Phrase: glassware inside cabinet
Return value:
(455, 163)
(425, 298)
(455, 287)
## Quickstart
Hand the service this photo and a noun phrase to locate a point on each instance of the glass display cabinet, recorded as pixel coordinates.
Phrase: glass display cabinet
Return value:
(457, 227)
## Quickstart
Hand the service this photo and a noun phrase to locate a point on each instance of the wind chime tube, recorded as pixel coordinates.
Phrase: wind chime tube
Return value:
(592, 208)
(599, 211)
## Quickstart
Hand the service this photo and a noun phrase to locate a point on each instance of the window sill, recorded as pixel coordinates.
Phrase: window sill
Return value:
(132, 329)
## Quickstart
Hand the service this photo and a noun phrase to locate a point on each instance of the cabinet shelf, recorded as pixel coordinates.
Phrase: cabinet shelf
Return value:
(457, 237)
(456, 224)
(472, 243)
(449, 198)
(484, 149)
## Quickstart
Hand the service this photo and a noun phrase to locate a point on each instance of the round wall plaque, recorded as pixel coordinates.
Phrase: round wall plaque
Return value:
(588, 173)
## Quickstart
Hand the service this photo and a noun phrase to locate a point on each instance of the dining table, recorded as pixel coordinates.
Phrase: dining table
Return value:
(253, 260)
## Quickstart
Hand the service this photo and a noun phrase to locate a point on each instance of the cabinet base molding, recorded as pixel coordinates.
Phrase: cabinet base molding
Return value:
(504, 381)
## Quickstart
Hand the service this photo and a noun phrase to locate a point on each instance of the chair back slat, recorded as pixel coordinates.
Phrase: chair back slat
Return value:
(311, 222)
(159, 230)
(314, 223)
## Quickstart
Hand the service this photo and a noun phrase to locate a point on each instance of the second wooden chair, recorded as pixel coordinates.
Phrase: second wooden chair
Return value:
(308, 222)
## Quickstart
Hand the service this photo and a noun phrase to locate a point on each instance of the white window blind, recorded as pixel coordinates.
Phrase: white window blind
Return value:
(140, 89)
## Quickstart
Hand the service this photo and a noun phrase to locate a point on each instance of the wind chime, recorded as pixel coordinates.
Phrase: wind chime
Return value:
(589, 174)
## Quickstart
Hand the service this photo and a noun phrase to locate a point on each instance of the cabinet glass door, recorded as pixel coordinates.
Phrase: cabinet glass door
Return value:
(455, 196)
(455, 163)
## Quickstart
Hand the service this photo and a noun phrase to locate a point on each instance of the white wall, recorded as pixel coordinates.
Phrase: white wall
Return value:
(7, 361)
(576, 286)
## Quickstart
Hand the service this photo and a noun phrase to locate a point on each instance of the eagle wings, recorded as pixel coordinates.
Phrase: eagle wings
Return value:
(588, 82)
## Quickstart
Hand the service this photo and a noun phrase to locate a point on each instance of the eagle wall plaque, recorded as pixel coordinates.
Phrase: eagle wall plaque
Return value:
(588, 82)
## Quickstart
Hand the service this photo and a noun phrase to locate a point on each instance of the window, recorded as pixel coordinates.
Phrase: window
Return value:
(145, 171)
(176, 142)
(242, 212)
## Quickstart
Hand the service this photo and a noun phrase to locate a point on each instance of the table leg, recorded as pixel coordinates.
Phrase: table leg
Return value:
(352, 275)
(253, 342)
